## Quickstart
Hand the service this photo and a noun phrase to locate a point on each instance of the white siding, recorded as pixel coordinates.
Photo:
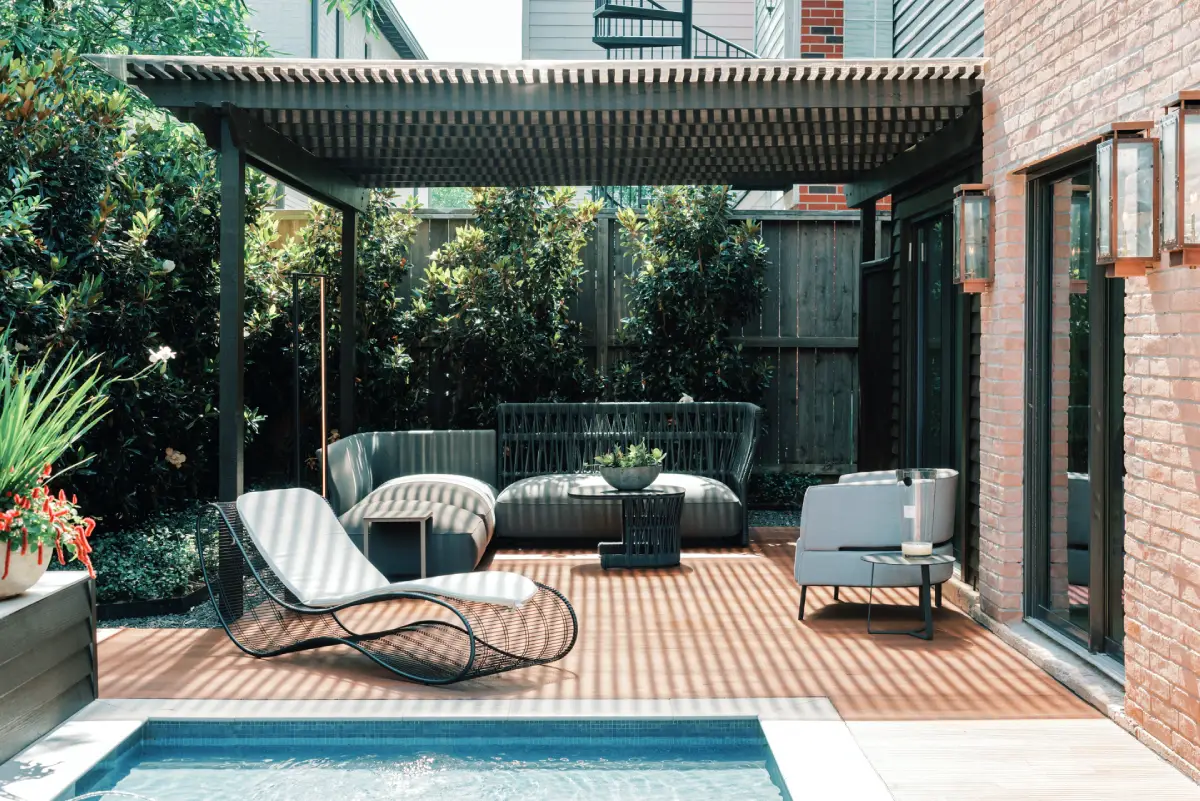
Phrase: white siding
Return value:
(729, 19)
(284, 25)
(559, 29)
(777, 35)
(562, 29)
(933, 28)
(867, 29)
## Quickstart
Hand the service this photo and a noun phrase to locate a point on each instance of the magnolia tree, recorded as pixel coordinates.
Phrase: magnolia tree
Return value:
(698, 276)
(490, 321)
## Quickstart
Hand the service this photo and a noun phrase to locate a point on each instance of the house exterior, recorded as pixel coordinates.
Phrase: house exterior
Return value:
(308, 29)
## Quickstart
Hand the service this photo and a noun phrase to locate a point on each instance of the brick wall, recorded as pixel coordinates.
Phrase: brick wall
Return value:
(1058, 73)
(821, 28)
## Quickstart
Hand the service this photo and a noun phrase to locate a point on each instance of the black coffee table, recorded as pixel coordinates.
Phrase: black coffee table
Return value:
(900, 560)
(649, 525)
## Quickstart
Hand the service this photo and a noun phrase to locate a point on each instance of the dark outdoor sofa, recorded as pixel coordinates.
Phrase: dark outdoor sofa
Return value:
(545, 449)
(513, 482)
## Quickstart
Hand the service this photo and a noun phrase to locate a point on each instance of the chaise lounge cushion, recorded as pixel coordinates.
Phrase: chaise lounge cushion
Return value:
(298, 535)
(454, 543)
(541, 507)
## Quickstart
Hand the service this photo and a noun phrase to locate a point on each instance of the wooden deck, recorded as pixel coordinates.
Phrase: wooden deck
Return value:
(723, 625)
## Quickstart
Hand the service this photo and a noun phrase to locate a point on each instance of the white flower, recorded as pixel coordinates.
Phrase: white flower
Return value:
(20, 347)
(161, 355)
(686, 399)
(175, 458)
(168, 265)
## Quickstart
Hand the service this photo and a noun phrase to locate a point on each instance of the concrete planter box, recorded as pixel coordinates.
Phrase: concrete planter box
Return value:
(47, 657)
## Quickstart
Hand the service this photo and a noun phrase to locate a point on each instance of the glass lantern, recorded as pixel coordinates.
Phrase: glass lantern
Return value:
(918, 502)
(1179, 150)
(972, 237)
(1127, 200)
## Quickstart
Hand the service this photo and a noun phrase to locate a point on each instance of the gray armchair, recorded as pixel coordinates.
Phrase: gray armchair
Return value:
(861, 514)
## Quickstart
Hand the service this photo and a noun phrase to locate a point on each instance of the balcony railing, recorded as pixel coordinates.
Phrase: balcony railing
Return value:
(646, 29)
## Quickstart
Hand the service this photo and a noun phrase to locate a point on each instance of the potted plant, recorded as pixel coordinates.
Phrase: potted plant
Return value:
(634, 468)
(43, 412)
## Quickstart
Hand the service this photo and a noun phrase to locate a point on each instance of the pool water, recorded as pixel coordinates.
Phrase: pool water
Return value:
(452, 760)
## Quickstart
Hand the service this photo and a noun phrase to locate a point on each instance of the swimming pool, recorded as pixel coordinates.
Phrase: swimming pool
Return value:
(479, 760)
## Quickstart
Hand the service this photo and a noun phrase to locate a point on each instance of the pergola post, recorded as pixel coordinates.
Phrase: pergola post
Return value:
(231, 423)
(867, 231)
(349, 315)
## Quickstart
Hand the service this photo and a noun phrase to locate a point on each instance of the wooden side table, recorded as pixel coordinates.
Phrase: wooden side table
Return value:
(406, 514)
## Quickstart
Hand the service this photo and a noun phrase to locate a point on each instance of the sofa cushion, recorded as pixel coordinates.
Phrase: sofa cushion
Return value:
(541, 507)
(455, 542)
(477, 497)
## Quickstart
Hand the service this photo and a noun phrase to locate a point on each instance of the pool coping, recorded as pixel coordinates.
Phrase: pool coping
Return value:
(814, 750)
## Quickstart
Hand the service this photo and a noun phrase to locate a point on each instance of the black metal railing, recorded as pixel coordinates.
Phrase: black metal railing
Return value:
(646, 29)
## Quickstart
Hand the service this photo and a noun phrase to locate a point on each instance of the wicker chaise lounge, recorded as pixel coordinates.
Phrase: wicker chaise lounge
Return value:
(284, 576)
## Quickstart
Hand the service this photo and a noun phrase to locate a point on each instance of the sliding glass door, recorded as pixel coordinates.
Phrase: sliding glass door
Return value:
(1073, 486)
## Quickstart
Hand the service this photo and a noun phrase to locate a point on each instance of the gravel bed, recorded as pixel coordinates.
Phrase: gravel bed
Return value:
(201, 617)
(774, 517)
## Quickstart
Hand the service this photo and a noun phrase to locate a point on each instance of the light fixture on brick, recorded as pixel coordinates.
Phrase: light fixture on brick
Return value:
(1127, 173)
(972, 237)
(1179, 148)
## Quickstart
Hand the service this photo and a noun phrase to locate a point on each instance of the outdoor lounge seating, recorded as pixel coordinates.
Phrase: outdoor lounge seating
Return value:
(455, 470)
(548, 449)
(288, 579)
(862, 514)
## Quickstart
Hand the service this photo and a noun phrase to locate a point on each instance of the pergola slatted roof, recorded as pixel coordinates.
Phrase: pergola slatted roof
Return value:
(333, 129)
(752, 124)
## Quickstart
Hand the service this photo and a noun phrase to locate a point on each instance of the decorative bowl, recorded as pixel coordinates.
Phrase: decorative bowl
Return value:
(630, 478)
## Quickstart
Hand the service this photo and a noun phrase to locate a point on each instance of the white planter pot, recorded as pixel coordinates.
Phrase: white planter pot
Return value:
(23, 569)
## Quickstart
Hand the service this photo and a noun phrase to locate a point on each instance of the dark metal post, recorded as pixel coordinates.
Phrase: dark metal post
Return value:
(686, 29)
(296, 379)
(231, 425)
(349, 320)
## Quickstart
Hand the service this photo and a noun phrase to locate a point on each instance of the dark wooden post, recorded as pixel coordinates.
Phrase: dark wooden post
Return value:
(231, 439)
(867, 217)
(349, 317)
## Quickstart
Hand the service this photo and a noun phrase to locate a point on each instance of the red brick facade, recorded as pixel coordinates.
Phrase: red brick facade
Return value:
(821, 28)
(1058, 73)
(821, 36)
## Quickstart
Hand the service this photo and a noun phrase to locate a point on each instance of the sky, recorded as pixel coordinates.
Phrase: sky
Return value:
(465, 30)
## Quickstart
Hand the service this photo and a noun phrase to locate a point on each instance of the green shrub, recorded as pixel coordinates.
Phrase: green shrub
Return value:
(491, 320)
(699, 276)
(781, 489)
(385, 397)
(156, 559)
(109, 238)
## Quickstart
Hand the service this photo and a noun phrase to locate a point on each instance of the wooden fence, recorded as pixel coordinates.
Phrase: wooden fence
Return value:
(808, 329)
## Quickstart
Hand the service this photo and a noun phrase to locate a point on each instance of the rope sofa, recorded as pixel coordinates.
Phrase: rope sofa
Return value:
(513, 482)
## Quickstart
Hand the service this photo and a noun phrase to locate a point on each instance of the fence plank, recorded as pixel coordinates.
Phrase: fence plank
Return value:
(807, 330)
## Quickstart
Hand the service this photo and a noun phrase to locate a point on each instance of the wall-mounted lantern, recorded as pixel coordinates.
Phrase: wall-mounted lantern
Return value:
(972, 237)
(1127, 200)
(1179, 148)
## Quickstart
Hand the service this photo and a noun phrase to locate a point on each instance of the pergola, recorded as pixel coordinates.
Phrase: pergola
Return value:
(334, 129)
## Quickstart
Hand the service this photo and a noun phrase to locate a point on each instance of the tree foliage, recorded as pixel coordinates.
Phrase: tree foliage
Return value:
(493, 309)
(385, 398)
(699, 275)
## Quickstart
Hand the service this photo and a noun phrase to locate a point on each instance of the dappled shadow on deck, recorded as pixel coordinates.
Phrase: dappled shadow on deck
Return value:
(723, 625)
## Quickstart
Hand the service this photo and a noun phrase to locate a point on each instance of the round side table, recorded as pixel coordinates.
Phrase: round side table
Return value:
(894, 559)
(649, 525)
